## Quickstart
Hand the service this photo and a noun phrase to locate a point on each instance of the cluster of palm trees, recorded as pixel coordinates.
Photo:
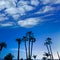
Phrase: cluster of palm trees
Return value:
(48, 43)
(27, 39)
(7, 57)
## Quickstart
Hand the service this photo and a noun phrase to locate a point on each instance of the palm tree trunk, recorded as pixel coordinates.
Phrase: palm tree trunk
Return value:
(31, 48)
(58, 55)
(18, 51)
(26, 50)
(1, 48)
(51, 52)
(48, 50)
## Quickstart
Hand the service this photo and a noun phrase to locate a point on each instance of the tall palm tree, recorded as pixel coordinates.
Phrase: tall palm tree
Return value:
(28, 34)
(32, 41)
(25, 39)
(46, 44)
(2, 45)
(19, 42)
(49, 43)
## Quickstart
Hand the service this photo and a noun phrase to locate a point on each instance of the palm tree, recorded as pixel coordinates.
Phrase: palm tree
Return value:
(58, 55)
(46, 44)
(47, 55)
(49, 43)
(25, 39)
(28, 34)
(34, 56)
(19, 42)
(8, 57)
(44, 58)
(2, 45)
(32, 41)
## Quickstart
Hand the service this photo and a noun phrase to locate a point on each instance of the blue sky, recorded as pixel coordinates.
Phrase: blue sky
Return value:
(42, 17)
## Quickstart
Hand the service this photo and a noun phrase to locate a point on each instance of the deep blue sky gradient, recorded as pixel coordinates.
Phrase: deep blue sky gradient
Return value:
(49, 28)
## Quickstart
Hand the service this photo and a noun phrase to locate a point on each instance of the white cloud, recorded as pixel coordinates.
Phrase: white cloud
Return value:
(30, 22)
(3, 17)
(57, 2)
(51, 1)
(28, 8)
(45, 9)
(34, 2)
(16, 16)
(21, 9)
(2, 4)
(46, 1)
(22, 3)
(6, 24)
(11, 11)
(48, 8)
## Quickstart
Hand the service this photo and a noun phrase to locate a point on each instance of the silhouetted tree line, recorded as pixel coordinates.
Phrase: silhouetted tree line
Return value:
(8, 57)
(30, 40)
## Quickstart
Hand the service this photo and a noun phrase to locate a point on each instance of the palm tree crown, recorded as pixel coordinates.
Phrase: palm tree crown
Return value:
(8, 57)
(2, 45)
(18, 40)
(48, 40)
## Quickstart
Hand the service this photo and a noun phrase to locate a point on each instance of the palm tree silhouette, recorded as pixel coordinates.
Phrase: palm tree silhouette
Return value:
(44, 58)
(47, 55)
(25, 40)
(2, 45)
(8, 57)
(32, 41)
(28, 34)
(19, 42)
(58, 55)
(48, 40)
(34, 56)
(46, 44)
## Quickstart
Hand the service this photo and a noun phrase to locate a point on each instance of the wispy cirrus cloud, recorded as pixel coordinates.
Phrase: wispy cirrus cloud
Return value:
(34, 2)
(6, 24)
(50, 1)
(45, 9)
(15, 9)
(30, 22)
(3, 17)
